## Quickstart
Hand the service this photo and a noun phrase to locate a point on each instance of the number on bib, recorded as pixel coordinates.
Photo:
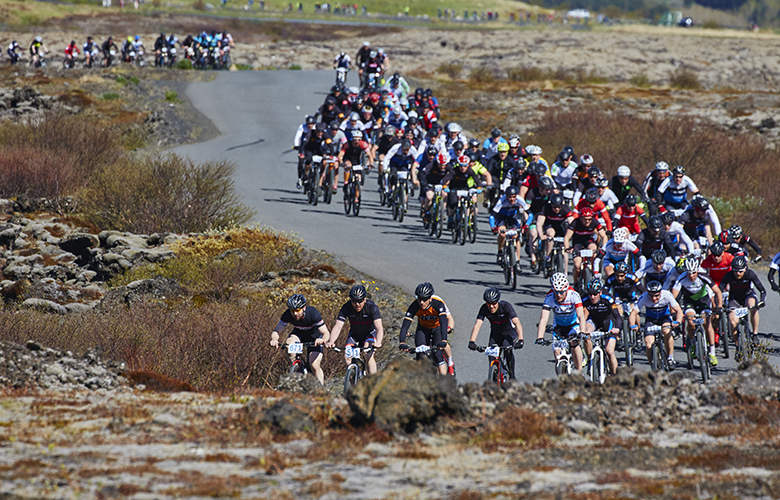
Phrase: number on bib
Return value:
(352, 352)
(422, 348)
(296, 348)
(492, 351)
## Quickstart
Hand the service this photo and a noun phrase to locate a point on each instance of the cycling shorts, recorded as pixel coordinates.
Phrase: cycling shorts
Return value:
(741, 301)
(603, 326)
(698, 306)
(431, 337)
(508, 222)
(611, 260)
(662, 322)
(571, 333)
(306, 337)
(358, 339)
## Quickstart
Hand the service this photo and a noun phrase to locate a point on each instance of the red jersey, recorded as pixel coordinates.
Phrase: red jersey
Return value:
(717, 270)
(598, 208)
(629, 218)
(71, 50)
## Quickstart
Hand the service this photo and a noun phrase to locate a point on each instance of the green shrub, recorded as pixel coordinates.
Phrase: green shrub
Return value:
(526, 74)
(134, 80)
(172, 96)
(183, 64)
(295, 66)
(684, 79)
(109, 96)
(639, 80)
(711, 24)
(244, 67)
(165, 193)
(121, 80)
(482, 74)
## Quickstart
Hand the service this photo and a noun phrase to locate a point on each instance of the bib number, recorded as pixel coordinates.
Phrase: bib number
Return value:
(296, 348)
(352, 352)
(492, 351)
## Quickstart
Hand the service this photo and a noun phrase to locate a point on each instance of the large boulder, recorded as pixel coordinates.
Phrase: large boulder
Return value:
(405, 395)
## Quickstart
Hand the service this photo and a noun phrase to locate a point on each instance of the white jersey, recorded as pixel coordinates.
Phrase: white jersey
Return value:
(657, 310)
(616, 253)
(716, 227)
(564, 312)
(563, 176)
(649, 271)
(676, 229)
(395, 148)
(343, 61)
(299, 135)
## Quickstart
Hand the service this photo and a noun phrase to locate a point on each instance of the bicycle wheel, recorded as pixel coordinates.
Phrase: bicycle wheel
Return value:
(352, 377)
(463, 226)
(297, 367)
(431, 220)
(505, 263)
(628, 343)
(401, 203)
(655, 358)
(586, 275)
(743, 344)
(357, 193)
(455, 229)
(329, 190)
(687, 347)
(395, 202)
(348, 199)
(559, 264)
(472, 225)
(494, 373)
(724, 333)
(562, 367)
(701, 354)
(595, 366)
(439, 217)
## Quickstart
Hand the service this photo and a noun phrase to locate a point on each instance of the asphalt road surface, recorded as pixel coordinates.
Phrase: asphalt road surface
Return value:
(258, 112)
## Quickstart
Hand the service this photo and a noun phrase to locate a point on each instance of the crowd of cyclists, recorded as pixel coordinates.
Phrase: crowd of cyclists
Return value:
(204, 50)
(651, 248)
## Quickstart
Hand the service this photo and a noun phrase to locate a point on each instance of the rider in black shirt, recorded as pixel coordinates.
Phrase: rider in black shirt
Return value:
(505, 327)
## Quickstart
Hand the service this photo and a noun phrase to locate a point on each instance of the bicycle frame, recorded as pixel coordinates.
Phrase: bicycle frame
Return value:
(498, 370)
(598, 357)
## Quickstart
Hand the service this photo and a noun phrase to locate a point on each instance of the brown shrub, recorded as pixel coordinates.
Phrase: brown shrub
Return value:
(727, 458)
(684, 78)
(730, 170)
(158, 383)
(519, 427)
(413, 452)
(451, 69)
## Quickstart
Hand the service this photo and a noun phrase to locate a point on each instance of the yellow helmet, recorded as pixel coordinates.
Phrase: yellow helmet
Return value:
(503, 146)
(130, 39)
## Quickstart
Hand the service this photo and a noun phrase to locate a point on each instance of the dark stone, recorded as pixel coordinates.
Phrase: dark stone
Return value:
(34, 346)
(287, 418)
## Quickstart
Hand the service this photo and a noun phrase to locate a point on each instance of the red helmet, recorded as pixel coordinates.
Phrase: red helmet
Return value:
(586, 212)
(441, 159)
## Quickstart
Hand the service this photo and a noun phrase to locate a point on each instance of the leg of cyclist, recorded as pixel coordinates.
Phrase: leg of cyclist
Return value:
(501, 238)
(733, 321)
(577, 264)
(292, 339)
(608, 268)
(509, 355)
(347, 170)
(370, 359)
(666, 328)
(438, 355)
(610, 350)
(649, 340)
(448, 349)
(586, 343)
(576, 350)
(751, 302)
(315, 359)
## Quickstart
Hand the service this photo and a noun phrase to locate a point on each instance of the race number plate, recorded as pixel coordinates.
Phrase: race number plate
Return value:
(741, 312)
(422, 348)
(462, 193)
(316, 158)
(560, 344)
(438, 188)
(568, 194)
(352, 352)
(357, 168)
(402, 174)
(492, 351)
(586, 253)
(511, 233)
(653, 329)
(558, 239)
(296, 348)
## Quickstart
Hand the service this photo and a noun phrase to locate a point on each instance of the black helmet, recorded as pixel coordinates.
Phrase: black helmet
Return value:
(492, 295)
(546, 183)
(330, 101)
(457, 145)
(678, 170)
(428, 92)
(594, 172)
(474, 143)
(512, 191)
(310, 120)
(565, 154)
(431, 150)
(621, 267)
(739, 263)
(654, 287)
(655, 223)
(735, 232)
(568, 150)
(594, 286)
(557, 200)
(717, 248)
(537, 168)
(406, 144)
(358, 293)
(667, 217)
(496, 132)
(296, 301)
(658, 257)
(321, 127)
(630, 200)
(700, 202)
(419, 90)
(335, 89)
(473, 155)
(591, 195)
(424, 291)
(413, 121)
(334, 125)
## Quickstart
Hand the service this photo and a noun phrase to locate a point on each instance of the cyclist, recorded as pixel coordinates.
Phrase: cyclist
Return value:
(537, 199)
(435, 174)
(674, 274)
(676, 233)
(591, 200)
(308, 326)
(659, 305)
(624, 287)
(743, 241)
(106, 48)
(653, 238)
(454, 134)
(71, 53)
(507, 214)
(431, 314)
(603, 315)
(618, 249)
(606, 195)
(456, 149)
(563, 170)
(628, 214)
(586, 181)
(697, 291)
(490, 146)
(350, 154)
(622, 183)
(675, 189)
(718, 262)
(13, 51)
(552, 220)
(773, 267)
(568, 316)
(583, 165)
(742, 284)
(160, 43)
(505, 327)
(530, 180)
(650, 187)
(473, 146)
(365, 324)
(90, 51)
(397, 86)
(696, 221)
(516, 153)
(501, 167)
(568, 152)
(315, 143)
(329, 111)
(383, 145)
(583, 232)
(657, 268)
(342, 61)
(362, 58)
(402, 158)
(37, 49)
(460, 179)
(535, 156)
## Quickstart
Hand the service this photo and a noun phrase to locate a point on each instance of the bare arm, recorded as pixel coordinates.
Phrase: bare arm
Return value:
(542, 323)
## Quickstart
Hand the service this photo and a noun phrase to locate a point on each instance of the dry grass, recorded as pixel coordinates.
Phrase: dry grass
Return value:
(727, 458)
(518, 427)
(413, 451)
(198, 484)
(684, 79)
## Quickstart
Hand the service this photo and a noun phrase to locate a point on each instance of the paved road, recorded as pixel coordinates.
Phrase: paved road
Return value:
(258, 113)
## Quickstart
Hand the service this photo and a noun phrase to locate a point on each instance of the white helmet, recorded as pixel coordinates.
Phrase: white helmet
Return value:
(454, 127)
(662, 165)
(354, 116)
(533, 150)
(624, 171)
(412, 114)
(586, 160)
(354, 90)
(691, 265)
(620, 235)
(559, 282)
(357, 134)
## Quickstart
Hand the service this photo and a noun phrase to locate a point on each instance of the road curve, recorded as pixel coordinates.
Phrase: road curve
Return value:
(257, 113)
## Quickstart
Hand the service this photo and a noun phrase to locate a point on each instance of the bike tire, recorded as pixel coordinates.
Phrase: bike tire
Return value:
(742, 352)
(401, 204)
(724, 333)
(439, 218)
(297, 367)
(356, 203)
(348, 200)
(455, 229)
(472, 221)
(629, 341)
(558, 265)
(463, 226)
(507, 267)
(585, 276)
(494, 373)
(431, 222)
(396, 204)
(351, 378)
(701, 354)
(656, 363)
(687, 347)
(562, 367)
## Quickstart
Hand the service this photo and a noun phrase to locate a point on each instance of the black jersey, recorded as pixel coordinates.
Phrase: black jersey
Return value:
(360, 323)
(603, 310)
(628, 290)
(584, 234)
(739, 289)
(501, 320)
(308, 324)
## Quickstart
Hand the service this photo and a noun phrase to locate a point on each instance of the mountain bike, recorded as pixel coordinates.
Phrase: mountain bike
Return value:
(329, 179)
(563, 361)
(509, 258)
(353, 194)
(745, 337)
(558, 261)
(586, 270)
(301, 362)
(313, 180)
(696, 348)
(436, 214)
(356, 369)
(400, 197)
(598, 357)
(384, 188)
(723, 328)
(422, 351)
(464, 224)
(498, 369)
(659, 357)
(628, 338)
(341, 76)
